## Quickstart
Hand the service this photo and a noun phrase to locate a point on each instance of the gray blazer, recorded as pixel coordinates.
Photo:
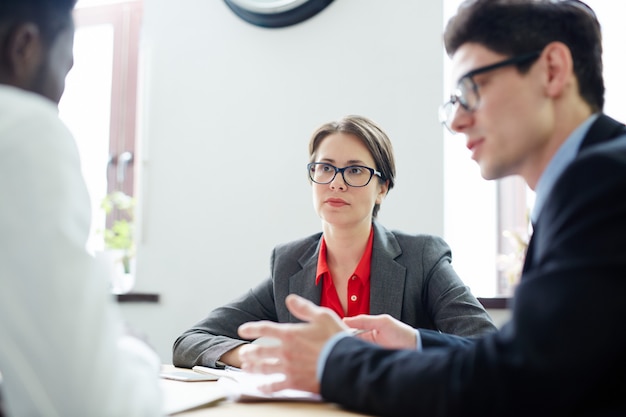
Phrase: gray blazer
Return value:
(411, 279)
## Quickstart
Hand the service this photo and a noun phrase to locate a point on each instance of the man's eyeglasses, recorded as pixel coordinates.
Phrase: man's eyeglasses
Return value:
(466, 92)
(353, 175)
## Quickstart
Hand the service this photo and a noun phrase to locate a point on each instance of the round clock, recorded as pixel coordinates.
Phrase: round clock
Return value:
(276, 13)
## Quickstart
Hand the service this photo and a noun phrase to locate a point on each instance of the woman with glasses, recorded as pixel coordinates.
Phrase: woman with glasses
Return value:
(355, 265)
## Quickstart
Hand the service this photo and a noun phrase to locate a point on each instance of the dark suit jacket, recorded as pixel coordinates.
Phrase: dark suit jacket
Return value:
(411, 279)
(564, 350)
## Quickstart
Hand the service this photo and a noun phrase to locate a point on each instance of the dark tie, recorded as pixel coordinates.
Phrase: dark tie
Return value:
(528, 259)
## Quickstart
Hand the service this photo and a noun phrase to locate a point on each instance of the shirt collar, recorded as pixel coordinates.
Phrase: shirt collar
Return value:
(322, 265)
(362, 270)
(562, 158)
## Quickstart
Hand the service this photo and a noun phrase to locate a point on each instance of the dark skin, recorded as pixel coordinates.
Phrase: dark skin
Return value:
(33, 63)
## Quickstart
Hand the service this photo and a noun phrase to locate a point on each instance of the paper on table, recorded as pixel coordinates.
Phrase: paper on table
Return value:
(243, 386)
(187, 376)
(181, 396)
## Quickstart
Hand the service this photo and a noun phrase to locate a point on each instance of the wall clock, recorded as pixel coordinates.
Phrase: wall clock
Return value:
(276, 13)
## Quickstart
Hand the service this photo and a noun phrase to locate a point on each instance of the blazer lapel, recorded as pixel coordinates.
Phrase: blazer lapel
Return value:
(303, 281)
(387, 277)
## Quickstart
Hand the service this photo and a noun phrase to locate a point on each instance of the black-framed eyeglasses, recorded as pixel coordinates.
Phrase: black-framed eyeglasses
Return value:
(353, 175)
(466, 93)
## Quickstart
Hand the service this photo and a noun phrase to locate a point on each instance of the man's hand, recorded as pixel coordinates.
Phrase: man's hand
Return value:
(301, 343)
(384, 330)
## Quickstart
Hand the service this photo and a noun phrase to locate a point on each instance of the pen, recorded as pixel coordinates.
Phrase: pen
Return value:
(225, 367)
(232, 368)
(356, 332)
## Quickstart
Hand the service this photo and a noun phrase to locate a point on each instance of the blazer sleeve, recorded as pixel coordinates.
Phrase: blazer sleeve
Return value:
(209, 339)
(561, 354)
(448, 302)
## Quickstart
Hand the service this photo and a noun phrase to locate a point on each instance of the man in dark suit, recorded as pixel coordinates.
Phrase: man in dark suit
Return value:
(529, 100)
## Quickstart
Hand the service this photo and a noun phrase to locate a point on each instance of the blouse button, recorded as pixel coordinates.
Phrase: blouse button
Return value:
(353, 297)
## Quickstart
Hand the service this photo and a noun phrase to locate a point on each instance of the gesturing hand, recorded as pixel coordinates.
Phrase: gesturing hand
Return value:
(301, 343)
(384, 330)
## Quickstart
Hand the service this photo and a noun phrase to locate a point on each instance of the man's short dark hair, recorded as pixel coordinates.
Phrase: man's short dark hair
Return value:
(51, 16)
(515, 27)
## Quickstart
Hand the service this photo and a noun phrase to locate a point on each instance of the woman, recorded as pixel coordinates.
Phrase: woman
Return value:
(355, 266)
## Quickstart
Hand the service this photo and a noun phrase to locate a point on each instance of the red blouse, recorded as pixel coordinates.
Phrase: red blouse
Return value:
(358, 284)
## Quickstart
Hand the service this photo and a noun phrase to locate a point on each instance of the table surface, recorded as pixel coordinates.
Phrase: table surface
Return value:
(207, 399)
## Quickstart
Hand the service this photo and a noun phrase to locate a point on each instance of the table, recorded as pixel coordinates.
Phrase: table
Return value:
(207, 399)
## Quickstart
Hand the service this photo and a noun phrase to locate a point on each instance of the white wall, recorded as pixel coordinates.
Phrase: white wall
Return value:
(469, 201)
(225, 103)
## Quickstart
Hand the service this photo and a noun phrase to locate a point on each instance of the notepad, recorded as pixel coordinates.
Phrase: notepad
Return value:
(181, 396)
(243, 386)
(187, 376)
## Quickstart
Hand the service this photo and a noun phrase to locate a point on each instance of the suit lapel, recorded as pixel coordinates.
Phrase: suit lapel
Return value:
(601, 130)
(387, 277)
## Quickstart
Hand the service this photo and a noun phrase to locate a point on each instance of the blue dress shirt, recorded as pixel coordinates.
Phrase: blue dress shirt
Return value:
(562, 158)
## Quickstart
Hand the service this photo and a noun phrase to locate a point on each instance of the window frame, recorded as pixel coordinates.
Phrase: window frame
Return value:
(125, 18)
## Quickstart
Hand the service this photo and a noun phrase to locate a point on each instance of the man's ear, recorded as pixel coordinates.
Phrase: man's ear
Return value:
(560, 68)
(23, 53)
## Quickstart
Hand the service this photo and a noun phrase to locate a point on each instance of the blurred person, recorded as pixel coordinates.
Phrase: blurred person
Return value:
(64, 350)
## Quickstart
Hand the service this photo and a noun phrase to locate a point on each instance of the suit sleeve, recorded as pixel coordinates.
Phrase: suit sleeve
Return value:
(432, 338)
(563, 351)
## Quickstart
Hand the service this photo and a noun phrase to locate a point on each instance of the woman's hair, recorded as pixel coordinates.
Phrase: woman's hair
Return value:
(516, 27)
(371, 135)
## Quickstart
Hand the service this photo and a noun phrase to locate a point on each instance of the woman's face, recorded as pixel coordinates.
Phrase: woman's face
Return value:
(338, 203)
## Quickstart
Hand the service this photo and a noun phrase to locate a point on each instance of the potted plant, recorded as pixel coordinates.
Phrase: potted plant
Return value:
(118, 238)
(512, 263)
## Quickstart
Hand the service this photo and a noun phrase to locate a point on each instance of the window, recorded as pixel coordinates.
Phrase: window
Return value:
(99, 103)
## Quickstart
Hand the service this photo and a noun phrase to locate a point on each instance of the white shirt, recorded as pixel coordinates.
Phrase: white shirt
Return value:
(63, 349)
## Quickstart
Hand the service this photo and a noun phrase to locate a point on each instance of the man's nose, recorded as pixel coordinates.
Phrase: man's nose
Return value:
(460, 119)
